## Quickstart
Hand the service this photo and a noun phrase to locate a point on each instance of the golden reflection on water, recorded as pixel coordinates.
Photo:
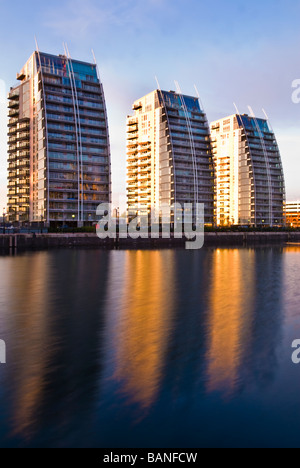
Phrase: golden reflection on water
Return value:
(230, 299)
(28, 362)
(142, 317)
(292, 248)
(144, 325)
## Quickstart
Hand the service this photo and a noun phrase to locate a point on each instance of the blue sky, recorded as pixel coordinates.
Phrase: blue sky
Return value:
(234, 51)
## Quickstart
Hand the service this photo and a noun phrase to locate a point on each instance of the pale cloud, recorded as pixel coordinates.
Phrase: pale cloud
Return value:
(78, 18)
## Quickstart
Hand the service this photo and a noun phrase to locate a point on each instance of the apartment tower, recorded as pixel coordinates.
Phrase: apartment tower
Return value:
(169, 158)
(292, 210)
(59, 166)
(249, 179)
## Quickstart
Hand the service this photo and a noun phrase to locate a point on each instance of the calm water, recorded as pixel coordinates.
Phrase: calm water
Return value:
(150, 349)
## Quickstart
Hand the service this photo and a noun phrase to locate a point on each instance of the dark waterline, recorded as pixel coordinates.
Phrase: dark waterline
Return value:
(150, 348)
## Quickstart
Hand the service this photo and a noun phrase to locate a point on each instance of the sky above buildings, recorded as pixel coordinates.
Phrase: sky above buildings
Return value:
(233, 51)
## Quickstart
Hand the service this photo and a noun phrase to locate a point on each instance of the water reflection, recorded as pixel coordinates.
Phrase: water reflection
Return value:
(143, 329)
(30, 353)
(183, 375)
(231, 300)
(55, 360)
(246, 319)
(146, 348)
(262, 341)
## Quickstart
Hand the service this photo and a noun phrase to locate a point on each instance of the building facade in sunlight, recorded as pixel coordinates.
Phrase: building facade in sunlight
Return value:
(169, 158)
(59, 166)
(293, 214)
(249, 179)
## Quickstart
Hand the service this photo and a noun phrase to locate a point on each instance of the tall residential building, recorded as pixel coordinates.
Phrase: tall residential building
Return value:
(169, 157)
(292, 210)
(59, 155)
(249, 179)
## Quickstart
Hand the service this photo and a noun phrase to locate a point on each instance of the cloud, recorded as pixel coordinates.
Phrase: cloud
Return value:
(78, 18)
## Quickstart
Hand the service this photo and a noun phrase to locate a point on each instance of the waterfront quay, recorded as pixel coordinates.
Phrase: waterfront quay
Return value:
(90, 240)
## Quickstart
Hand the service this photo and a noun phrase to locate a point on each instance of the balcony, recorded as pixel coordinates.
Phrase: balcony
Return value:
(144, 152)
(12, 149)
(137, 106)
(24, 125)
(132, 136)
(132, 124)
(132, 159)
(21, 76)
(13, 112)
(12, 122)
(12, 131)
(132, 144)
(23, 164)
(23, 136)
(132, 121)
(13, 104)
(144, 159)
(23, 154)
(132, 164)
(132, 151)
(23, 145)
(14, 94)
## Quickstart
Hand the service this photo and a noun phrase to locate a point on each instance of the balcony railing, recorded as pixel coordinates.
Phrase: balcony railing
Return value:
(13, 112)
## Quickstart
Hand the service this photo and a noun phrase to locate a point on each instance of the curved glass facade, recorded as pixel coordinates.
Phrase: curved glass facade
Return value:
(249, 182)
(169, 158)
(69, 171)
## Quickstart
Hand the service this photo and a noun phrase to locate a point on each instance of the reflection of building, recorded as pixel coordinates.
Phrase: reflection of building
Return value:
(142, 330)
(168, 154)
(30, 320)
(293, 214)
(55, 362)
(263, 333)
(59, 157)
(249, 180)
(245, 321)
(231, 291)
